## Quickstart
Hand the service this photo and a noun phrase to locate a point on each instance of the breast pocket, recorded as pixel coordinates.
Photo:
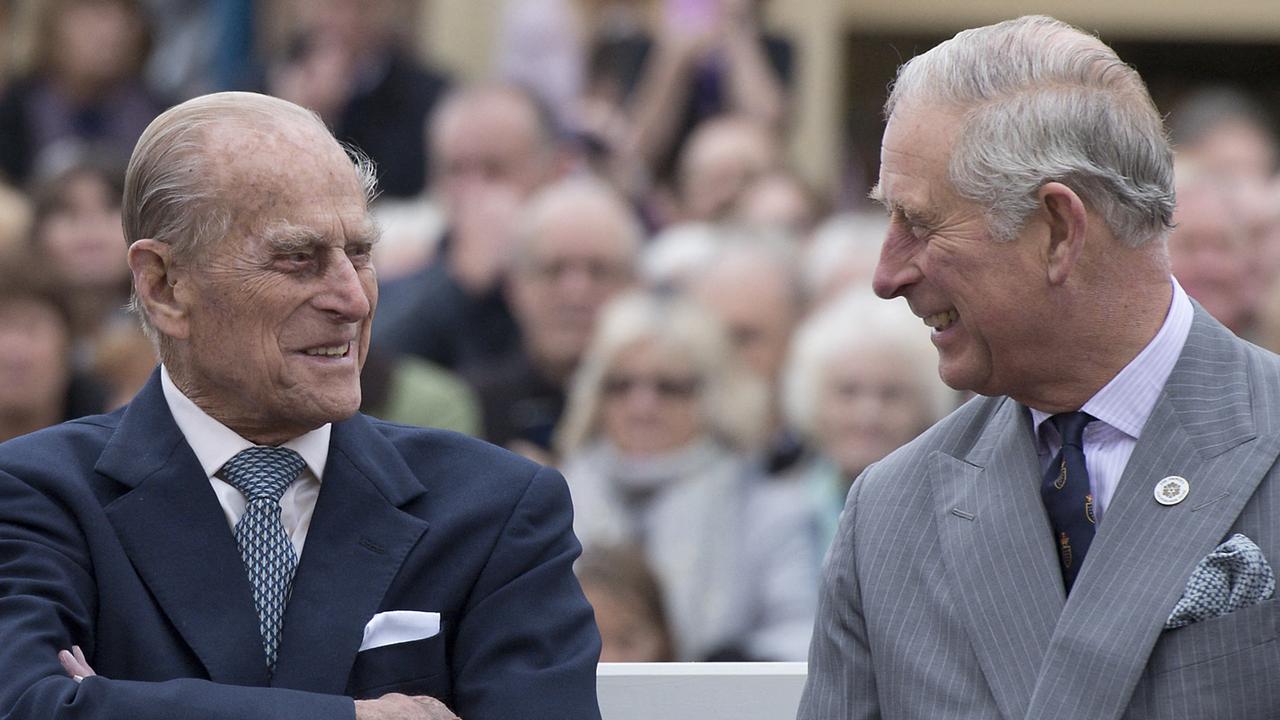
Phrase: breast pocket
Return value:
(1220, 668)
(419, 667)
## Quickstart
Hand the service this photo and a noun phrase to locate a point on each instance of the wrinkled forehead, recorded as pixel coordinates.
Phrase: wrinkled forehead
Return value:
(259, 167)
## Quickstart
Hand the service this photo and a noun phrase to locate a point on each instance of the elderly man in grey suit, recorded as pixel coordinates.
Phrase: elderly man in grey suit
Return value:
(1089, 539)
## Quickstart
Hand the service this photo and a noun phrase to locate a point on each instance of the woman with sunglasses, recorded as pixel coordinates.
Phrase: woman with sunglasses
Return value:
(655, 439)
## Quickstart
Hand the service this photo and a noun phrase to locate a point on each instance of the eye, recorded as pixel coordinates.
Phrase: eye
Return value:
(912, 226)
(294, 261)
(359, 251)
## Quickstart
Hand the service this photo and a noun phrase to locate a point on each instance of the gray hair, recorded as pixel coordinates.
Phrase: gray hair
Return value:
(569, 196)
(1044, 102)
(734, 402)
(169, 191)
(854, 322)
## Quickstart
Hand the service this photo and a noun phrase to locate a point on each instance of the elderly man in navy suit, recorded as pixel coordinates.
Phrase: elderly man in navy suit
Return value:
(238, 542)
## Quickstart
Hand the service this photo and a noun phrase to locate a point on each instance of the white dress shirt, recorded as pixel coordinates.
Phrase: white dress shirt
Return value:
(1123, 405)
(214, 444)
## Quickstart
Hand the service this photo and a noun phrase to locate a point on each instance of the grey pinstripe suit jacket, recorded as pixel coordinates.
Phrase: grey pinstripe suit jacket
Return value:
(942, 596)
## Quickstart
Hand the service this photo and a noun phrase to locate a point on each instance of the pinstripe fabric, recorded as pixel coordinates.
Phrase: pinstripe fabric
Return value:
(941, 595)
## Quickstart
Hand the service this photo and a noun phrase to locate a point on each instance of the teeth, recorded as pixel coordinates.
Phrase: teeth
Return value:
(333, 351)
(941, 321)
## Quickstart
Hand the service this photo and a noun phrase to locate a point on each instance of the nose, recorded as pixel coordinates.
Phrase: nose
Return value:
(346, 295)
(578, 284)
(896, 270)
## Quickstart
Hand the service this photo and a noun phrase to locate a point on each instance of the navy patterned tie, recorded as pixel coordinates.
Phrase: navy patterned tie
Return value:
(1067, 496)
(262, 474)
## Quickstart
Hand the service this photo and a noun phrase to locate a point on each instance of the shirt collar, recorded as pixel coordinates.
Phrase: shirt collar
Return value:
(214, 443)
(1126, 402)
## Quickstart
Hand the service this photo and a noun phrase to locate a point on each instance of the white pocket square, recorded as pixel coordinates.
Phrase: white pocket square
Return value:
(398, 626)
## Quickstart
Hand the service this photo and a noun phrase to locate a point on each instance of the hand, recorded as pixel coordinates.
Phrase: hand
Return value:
(403, 707)
(74, 663)
(483, 222)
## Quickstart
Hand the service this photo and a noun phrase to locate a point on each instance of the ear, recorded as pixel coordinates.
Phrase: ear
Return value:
(1067, 220)
(156, 281)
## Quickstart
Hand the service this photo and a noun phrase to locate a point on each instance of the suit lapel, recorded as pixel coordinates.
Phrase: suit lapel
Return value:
(995, 541)
(1202, 429)
(173, 530)
(356, 544)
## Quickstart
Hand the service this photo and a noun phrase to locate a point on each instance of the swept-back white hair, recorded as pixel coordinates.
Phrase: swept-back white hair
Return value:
(1041, 102)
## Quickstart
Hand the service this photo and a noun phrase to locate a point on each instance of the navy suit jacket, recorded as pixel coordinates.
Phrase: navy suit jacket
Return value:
(111, 538)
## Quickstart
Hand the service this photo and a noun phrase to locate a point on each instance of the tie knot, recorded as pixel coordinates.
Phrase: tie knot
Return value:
(263, 472)
(1071, 427)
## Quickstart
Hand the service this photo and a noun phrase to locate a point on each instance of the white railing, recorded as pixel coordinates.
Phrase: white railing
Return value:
(700, 691)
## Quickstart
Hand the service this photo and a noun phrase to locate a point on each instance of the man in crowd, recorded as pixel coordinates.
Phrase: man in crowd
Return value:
(575, 246)
(760, 322)
(492, 147)
(1091, 538)
(238, 542)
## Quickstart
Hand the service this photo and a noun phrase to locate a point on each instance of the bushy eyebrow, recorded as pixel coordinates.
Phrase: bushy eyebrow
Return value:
(284, 237)
(369, 233)
(912, 215)
(877, 195)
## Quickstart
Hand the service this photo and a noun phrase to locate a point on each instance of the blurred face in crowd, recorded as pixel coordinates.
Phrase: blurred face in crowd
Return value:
(83, 236)
(651, 400)
(628, 631)
(777, 201)
(485, 140)
(355, 25)
(578, 257)
(757, 303)
(276, 315)
(1210, 254)
(1234, 148)
(722, 159)
(95, 41)
(869, 404)
(985, 300)
(34, 343)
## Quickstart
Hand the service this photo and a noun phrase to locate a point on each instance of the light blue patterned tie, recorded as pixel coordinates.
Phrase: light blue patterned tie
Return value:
(262, 474)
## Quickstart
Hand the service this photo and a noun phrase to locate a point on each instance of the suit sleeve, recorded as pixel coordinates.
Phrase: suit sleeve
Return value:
(528, 638)
(841, 683)
(48, 601)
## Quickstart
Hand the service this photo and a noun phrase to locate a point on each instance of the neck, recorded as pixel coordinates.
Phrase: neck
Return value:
(1114, 325)
(249, 428)
(555, 371)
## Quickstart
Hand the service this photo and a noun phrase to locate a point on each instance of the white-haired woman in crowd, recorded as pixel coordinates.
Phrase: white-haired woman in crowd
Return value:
(654, 441)
(861, 381)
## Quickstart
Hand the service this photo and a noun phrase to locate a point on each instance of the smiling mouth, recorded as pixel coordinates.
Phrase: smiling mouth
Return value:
(941, 321)
(333, 351)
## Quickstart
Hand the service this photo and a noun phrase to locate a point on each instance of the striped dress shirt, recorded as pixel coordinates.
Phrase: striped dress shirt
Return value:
(1123, 405)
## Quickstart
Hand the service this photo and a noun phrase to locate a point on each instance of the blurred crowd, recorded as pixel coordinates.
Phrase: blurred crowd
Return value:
(599, 258)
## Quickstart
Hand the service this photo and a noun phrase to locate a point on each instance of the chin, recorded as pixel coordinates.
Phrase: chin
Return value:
(334, 408)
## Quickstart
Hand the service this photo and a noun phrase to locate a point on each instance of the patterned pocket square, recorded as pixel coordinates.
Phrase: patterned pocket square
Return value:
(1232, 577)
